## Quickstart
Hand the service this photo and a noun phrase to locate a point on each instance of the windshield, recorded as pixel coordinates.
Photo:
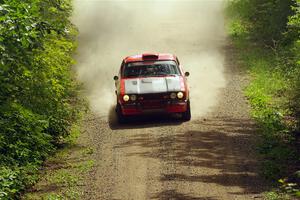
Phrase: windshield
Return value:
(152, 68)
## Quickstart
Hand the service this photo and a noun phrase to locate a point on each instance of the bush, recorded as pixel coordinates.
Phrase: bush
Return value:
(264, 19)
(24, 139)
(267, 34)
(38, 95)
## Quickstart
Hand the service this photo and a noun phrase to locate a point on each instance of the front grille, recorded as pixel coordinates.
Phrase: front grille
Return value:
(153, 101)
(152, 105)
(154, 96)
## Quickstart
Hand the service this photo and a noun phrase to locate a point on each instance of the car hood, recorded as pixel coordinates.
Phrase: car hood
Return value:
(153, 85)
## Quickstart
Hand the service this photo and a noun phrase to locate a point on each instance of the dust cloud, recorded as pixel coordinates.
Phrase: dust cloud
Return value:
(112, 30)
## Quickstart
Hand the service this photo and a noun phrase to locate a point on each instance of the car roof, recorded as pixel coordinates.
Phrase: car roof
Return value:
(149, 56)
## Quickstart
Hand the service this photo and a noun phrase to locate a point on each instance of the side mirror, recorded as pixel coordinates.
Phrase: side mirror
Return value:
(187, 74)
(116, 78)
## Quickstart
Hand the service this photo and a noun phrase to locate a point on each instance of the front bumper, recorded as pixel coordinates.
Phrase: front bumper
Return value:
(167, 107)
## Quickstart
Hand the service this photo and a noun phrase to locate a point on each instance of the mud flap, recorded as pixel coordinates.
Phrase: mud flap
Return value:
(186, 116)
(121, 118)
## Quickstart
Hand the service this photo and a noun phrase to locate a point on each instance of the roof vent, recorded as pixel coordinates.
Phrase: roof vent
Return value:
(150, 56)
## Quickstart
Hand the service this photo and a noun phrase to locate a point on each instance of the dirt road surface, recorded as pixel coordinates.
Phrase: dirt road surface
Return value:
(212, 156)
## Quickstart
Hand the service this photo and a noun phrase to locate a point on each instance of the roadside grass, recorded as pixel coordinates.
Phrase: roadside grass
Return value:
(62, 176)
(275, 195)
(268, 96)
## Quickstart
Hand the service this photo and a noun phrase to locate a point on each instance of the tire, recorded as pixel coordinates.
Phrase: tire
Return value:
(121, 118)
(186, 116)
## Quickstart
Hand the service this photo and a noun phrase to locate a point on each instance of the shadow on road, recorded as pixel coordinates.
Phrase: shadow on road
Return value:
(220, 150)
(172, 194)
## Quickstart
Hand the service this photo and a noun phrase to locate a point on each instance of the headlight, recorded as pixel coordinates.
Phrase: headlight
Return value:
(173, 95)
(133, 97)
(180, 95)
(126, 97)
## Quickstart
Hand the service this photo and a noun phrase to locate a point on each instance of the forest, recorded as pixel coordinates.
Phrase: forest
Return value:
(266, 34)
(39, 98)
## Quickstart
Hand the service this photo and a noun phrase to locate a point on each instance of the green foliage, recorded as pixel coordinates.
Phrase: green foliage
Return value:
(23, 138)
(294, 29)
(12, 180)
(265, 20)
(64, 174)
(38, 95)
(266, 94)
(267, 33)
(274, 195)
(63, 177)
(290, 188)
(10, 183)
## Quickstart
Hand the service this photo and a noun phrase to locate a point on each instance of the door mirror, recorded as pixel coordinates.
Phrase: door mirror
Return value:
(116, 78)
(187, 74)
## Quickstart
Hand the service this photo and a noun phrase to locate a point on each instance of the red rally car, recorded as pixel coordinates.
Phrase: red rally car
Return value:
(152, 83)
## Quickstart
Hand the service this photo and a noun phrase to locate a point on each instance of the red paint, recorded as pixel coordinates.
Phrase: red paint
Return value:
(122, 86)
(131, 111)
(177, 108)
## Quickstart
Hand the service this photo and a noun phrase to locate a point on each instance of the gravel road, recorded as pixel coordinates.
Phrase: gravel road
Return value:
(212, 156)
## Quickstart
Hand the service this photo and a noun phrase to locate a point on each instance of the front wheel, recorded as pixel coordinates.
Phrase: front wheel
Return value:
(186, 116)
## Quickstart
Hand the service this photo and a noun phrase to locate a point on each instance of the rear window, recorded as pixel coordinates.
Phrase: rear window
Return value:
(152, 68)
